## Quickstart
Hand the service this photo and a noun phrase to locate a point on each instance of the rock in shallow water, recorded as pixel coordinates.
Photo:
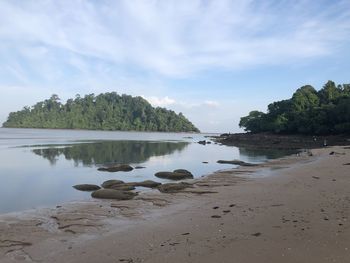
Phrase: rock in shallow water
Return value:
(237, 162)
(183, 171)
(147, 183)
(122, 187)
(86, 187)
(110, 183)
(113, 194)
(116, 168)
(174, 175)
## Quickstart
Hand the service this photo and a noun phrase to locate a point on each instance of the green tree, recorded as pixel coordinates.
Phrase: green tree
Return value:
(108, 111)
(254, 122)
(329, 92)
(307, 112)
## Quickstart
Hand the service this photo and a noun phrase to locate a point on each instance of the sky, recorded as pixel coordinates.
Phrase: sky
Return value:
(214, 61)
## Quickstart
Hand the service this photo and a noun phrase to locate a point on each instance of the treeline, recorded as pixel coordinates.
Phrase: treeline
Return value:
(322, 112)
(108, 111)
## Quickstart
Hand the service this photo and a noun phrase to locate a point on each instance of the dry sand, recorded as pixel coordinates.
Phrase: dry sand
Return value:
(293, 209)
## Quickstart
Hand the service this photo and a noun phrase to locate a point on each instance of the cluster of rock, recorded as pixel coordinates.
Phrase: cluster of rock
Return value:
(204, 142)
(119, 190)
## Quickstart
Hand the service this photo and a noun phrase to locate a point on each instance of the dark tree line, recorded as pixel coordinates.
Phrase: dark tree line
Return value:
(322, 112)
(108, 111)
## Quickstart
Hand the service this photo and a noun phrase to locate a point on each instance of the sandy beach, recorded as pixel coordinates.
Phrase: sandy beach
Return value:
(293, 209)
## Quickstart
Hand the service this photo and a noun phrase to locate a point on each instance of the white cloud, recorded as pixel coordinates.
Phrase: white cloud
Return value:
(177, 38)
(159, 102)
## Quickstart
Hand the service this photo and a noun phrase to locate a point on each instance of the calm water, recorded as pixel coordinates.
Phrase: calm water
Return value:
(39, 167)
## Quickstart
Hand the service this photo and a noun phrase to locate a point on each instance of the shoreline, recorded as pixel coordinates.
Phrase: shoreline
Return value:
(222, 217)
(281, 141)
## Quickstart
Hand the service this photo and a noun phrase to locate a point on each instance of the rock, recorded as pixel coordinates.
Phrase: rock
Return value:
(86, 187)
(203, 142)
(183, 171)
(122, 187)
(113, 194)
(139, 167)
(237, 162)
(173, 175)
(173, 187)
(205, 162)
(116, 168)
(147, 183)
(109, 183)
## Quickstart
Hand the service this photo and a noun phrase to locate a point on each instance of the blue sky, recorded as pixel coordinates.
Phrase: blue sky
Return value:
(212, 60)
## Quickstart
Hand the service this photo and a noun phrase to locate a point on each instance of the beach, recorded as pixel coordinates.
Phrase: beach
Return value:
(292, 209)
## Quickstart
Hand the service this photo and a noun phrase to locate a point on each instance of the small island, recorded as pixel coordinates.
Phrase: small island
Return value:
(106, 111)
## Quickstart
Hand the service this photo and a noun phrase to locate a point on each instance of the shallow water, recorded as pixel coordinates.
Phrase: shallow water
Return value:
(39, 167)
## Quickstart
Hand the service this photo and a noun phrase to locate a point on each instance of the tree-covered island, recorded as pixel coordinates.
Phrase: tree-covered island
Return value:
(308, 112)
(107, 111)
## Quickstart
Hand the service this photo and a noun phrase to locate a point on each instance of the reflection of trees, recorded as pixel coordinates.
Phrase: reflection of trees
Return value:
(264, 153)
(110, 151)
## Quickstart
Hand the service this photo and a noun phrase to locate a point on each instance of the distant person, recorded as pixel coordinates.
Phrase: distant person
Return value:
(324, 143)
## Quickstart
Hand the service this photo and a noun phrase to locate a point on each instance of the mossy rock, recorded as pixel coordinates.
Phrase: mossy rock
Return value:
(109, 183)
(122, 187)
(183, 171)
(113, 194)
(147, 183)
(116, 168)
(86, 187)
(173, 175)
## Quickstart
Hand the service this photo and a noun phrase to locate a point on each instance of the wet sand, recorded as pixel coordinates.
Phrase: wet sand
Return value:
(293, 209)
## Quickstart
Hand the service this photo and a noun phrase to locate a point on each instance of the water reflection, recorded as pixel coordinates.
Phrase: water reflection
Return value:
(261, 154)
(104, 152)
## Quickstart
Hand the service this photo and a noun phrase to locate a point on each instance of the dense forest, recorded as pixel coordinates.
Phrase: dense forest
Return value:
(322, 112)
(108, 111)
